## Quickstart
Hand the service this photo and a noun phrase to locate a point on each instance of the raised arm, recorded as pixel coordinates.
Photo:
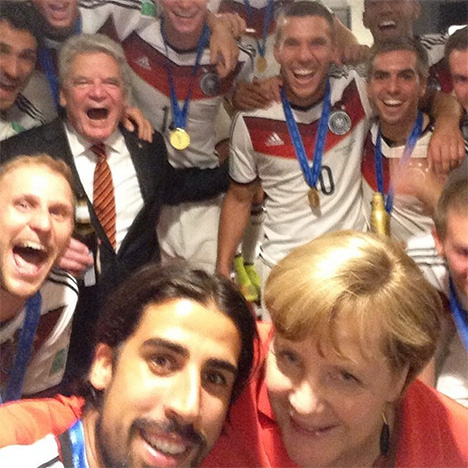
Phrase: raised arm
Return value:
(224, 51)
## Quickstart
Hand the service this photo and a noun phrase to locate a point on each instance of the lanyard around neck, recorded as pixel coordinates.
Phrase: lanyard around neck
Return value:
(15, 382)
(460, 316)
(47, 64)
(261, 46)
(180, 114)
(311, 175)
(407, 152)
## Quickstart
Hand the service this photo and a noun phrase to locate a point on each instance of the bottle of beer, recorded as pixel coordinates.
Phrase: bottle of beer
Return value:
(85, 232)
(380, 219)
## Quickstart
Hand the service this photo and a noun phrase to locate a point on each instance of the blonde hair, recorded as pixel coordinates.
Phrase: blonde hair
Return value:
(54, 165)
(367, 280)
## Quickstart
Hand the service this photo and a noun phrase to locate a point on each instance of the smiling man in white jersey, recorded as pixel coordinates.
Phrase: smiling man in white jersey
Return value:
(299, 205)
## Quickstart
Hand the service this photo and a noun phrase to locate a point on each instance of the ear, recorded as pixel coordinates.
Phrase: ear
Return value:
(397, 386)
(276, 51)
(100, 374)
(370, 95)
(439, 244)
(422, 91)
(62, 98)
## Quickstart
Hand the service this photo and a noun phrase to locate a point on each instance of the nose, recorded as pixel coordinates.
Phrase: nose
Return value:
(306, 399)
(10, 66)
(305, 53)
(393, 84)
(184, 398)
(97, 90)
(184, 4)
(40, 220)
(385, 6)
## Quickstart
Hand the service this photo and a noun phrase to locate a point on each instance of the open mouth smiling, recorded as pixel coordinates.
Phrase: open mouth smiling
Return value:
(97, 113)
(392, 102)
(315, 430)
(302, 75)
(59, 7)
(165, 445)
(387, 25)
(7, 85)
(185, 14)
(29, 257)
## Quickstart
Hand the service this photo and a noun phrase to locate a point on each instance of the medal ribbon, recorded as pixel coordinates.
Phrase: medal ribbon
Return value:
(311, 175)
(459, 315)
(25, 344)
(180, 115)
(407, 152)
(266, 24)
(78, 446)
(47, 65)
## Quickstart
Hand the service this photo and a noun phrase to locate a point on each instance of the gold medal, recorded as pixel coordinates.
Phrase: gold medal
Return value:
(179, 138)
(313, 196)
(262, 64)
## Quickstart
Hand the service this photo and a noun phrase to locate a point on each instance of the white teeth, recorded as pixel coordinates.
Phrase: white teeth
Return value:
(302, 72)
(392, 102)
(165, 446)
(386, 24)
(32, 245)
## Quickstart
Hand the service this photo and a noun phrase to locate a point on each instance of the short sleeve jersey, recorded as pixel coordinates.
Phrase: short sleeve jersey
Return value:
(262, 149)
(50, 348)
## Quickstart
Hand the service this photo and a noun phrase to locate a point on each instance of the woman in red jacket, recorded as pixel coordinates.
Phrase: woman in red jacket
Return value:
(354, 323)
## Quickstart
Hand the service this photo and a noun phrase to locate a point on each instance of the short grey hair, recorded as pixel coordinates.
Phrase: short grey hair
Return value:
(89, 44)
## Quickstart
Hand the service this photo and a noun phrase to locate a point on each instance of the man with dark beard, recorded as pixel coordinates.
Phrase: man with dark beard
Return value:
(175, 346)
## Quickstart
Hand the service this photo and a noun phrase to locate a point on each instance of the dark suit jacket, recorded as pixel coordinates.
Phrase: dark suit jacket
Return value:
(159, 183)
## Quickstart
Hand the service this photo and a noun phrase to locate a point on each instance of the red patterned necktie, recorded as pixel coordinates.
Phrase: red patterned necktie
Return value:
(103, 193)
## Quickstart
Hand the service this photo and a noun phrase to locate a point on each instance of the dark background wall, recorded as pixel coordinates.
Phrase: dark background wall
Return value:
(438, 15)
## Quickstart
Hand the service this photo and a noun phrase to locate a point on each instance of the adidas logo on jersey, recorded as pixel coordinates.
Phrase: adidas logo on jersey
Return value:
(143, 61)
(274, 140)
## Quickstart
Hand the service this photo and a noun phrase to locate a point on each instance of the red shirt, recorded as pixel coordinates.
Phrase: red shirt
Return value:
(434, 429)
(25, 421)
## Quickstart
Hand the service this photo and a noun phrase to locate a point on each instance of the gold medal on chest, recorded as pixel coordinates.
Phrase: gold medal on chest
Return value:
(261, 64)
(179, 139)
(313, 196)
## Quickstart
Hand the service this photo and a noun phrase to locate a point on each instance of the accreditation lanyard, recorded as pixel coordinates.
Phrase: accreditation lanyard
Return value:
(180, 115)
(407, 152)
(459, 315)
(47, 65)
(261, 46)
(23, 353)
(78, 445)
(311, 175)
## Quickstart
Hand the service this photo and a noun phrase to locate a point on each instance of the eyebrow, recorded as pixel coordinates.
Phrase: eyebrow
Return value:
(184, 352)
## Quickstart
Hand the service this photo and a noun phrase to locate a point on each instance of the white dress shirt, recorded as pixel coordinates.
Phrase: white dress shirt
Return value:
(128, 198)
